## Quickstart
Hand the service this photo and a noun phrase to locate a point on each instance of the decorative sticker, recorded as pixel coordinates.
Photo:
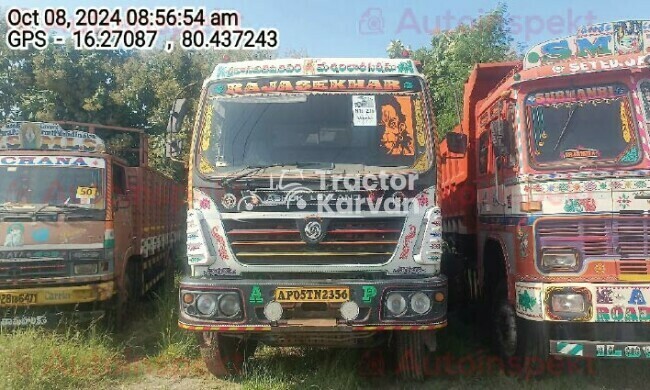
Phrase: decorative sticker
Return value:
(47, 136)
(645, 96)
(54, 161)
(86, 192)
(256, 295)
(397, 119)
(622, 304)
(419, 122)
(422, 162)
(364, 110)
(529, 301)
(14, 237)
(369, 292)
(590, 42)
(407, 242)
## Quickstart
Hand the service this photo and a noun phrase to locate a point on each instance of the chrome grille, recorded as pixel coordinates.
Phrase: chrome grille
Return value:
(347, 241)
(626, 237)
(589, 237)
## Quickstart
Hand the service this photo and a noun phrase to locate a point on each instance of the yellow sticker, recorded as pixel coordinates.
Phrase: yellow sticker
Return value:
(86, 192)
(419, 123)
(205, 166)
(422, 162)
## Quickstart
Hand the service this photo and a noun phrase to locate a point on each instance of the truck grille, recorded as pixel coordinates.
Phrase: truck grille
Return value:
(26, 269)
(347, 241)
(626, 237)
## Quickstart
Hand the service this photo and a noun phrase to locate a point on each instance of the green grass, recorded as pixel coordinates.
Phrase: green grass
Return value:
(75, 356)
(37, 359)
(153, 350)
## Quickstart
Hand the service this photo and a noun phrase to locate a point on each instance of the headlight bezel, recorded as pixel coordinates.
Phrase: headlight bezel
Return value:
(436, 309)
(548, 254)
(554, 293)
(191, 308)
(79, 265)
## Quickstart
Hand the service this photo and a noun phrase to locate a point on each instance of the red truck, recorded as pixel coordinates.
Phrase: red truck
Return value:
(83, 232)
(544, 193)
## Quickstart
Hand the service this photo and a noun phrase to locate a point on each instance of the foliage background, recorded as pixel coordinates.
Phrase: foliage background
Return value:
(137, 88)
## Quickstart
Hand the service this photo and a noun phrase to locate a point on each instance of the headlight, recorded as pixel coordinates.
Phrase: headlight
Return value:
(560, 261)
(86, 269)
(420, 303)
(206, 304)
(568, 303)
(217, 305)
(396, 304)
(229, 305)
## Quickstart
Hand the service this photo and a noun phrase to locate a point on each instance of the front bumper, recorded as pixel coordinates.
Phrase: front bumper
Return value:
(48, 306)
(49, 296)
(599, 349)
(368, 294)
(615, 322)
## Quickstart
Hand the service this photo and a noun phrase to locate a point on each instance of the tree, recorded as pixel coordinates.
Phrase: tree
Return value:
(16, 76)
(449, 60)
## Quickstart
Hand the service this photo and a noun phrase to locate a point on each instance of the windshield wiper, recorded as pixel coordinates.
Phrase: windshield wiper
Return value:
(249, 170)
(64, 206)
(315, 165)
(566, 125)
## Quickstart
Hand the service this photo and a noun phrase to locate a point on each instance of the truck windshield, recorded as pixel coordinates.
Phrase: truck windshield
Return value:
(583, 127)
(39, 185)
(368, 129)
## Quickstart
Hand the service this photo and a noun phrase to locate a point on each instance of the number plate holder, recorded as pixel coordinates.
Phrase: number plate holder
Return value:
(312, 294)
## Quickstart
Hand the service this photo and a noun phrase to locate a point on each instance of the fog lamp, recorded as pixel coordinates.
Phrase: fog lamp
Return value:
(273, 311)
(349, 310)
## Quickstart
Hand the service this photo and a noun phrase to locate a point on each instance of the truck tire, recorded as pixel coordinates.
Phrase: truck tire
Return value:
(225, 356)
(516, 338)
(126, 299)
(410, 354)
(533, 348)
(504, 323)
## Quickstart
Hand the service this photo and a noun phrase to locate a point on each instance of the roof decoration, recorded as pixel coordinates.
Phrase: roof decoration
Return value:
(315, 67)
(47, 136)
(629, 39)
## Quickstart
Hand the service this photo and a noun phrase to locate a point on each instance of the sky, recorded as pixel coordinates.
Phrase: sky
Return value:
(359, 28)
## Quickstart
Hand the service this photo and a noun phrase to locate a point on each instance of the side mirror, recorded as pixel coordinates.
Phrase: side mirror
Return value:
(174, 147)
(500, 138)
(456, 142)
(176, 116)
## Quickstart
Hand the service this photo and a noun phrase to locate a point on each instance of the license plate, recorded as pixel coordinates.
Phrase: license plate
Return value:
(18, 298)
(312, 294)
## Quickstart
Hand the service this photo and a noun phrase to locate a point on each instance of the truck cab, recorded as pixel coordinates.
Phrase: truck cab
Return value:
(313, 217)
(555, 173)
(78, 237)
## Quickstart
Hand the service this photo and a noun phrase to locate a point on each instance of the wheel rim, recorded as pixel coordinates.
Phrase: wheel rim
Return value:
(506, 329)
